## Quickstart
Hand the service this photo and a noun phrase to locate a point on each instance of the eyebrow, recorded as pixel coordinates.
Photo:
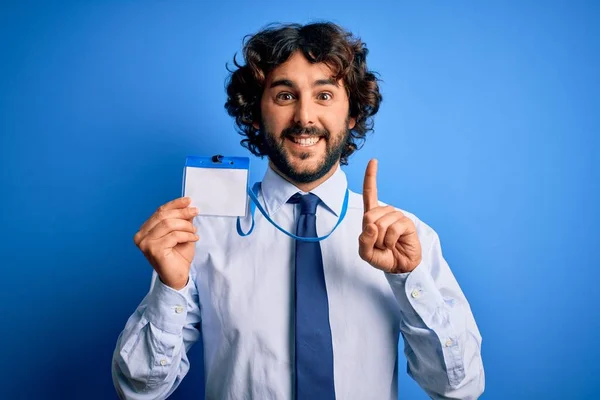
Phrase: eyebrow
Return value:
(289, 83)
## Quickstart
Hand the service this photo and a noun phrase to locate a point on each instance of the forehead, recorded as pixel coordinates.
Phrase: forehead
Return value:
(298, 69)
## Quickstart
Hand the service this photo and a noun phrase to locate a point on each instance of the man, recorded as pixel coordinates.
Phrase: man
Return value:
(305, 319)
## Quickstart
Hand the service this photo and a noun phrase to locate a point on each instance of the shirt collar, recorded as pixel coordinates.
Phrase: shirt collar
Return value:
(276, 191)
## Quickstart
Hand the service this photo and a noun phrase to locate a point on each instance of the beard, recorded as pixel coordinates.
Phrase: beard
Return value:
(275, 150)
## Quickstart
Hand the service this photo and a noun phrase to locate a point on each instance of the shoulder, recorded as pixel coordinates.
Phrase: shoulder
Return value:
(426, 233)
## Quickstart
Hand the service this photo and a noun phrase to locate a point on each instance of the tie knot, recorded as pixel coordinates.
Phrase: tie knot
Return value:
(308, 202)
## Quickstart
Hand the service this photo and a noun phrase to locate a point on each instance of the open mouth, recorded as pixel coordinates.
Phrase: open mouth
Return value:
(305, 141)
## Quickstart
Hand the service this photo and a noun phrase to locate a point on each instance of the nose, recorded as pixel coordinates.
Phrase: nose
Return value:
(305, 113)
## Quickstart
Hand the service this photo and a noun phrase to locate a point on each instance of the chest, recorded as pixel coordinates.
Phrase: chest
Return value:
(246, 284)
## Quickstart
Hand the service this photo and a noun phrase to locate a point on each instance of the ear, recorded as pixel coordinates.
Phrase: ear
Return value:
(256, 125)
(351, 123)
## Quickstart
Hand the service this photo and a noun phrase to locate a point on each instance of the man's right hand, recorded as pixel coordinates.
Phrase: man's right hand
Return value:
(168, 240)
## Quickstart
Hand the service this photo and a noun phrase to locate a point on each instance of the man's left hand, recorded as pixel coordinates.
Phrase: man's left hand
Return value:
(389, 239)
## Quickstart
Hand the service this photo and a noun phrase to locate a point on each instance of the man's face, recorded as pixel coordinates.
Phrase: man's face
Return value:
(304, 119)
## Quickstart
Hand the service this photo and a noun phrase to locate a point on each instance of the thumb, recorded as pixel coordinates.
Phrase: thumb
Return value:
(366, 242)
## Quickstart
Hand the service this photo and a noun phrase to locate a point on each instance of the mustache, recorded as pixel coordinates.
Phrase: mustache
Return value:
(297, 130)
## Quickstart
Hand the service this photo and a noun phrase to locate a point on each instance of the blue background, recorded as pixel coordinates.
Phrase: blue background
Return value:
(488, 132)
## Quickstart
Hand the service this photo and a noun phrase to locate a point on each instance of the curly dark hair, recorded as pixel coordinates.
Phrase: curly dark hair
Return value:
(319, 42)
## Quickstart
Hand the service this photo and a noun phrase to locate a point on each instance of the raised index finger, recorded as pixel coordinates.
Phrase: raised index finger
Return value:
(370, 186)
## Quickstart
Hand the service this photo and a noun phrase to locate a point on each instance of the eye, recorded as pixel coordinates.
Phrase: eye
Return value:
(285, 96)
(325, 96)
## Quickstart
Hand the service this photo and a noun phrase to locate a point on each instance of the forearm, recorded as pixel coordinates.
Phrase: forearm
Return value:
(441, 340)
(150, 358)
(442, 347)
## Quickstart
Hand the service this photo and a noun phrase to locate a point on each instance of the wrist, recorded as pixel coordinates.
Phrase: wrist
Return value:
(175, 284)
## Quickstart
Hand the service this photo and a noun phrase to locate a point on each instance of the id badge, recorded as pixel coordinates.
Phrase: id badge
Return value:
(217, 185)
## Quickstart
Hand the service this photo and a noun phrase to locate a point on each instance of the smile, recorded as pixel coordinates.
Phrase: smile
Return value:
(305, 141)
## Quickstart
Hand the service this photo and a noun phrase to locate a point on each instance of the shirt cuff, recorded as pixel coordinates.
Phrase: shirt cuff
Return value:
(417, 294)
(167, 307)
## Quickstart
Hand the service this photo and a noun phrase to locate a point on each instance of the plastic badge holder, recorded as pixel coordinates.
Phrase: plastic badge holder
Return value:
(217, 185)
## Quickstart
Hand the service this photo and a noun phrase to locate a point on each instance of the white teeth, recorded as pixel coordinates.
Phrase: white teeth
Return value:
(306, 141)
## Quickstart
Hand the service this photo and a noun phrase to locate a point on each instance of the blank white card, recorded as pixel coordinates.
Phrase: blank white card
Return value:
(217, 191)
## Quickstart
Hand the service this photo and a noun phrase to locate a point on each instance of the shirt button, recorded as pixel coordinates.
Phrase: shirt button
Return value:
(179, 309)
(163, 362)
(416, 293)
(449, 343)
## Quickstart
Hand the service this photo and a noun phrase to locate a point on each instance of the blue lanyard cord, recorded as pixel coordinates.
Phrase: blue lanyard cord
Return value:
(255, 203)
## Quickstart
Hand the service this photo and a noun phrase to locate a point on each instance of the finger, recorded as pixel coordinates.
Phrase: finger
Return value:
(394, 232)
(383, 224)
(178, 237)
(169, 225)
(179, 202)
(181, 213)
(376, 213)
(370, 186)
(157, 246)
(187, 214)
(366, 242)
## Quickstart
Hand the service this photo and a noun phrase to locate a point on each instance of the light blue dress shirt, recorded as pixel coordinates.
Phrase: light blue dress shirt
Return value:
(240, 294)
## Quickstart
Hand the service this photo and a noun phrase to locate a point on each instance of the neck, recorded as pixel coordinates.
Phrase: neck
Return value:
(307, 186)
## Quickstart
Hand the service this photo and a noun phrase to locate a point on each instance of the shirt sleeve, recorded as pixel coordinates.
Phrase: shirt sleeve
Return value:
(150, 357)
(442, 343)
